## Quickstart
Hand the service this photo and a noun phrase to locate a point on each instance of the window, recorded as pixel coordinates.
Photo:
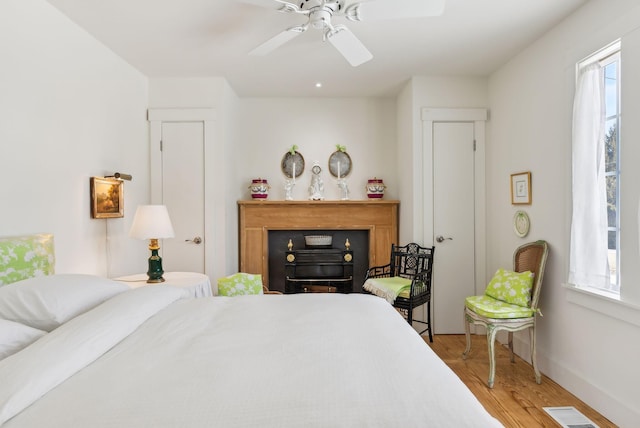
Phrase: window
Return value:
(611, 75)
(595, 232)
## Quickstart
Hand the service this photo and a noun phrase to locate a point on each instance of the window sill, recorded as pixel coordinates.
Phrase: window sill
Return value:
(605, 303)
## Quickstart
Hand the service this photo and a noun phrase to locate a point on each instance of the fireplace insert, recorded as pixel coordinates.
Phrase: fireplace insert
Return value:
(319, 270)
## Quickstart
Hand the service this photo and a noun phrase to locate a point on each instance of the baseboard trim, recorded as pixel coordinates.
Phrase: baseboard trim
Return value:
(614, 409)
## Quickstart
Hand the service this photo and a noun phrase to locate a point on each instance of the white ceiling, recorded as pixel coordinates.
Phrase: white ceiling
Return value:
(200, 38)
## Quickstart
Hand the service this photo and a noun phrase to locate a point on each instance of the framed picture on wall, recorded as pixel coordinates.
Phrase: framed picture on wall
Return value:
(107, 198)
(521, 188)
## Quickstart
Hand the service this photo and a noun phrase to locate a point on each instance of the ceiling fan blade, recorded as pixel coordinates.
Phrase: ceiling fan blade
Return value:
(348, 45)
(280, 5)
(377, 10)
(278, 40)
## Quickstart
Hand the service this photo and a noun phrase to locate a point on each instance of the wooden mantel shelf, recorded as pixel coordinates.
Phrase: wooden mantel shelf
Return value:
(256, 218)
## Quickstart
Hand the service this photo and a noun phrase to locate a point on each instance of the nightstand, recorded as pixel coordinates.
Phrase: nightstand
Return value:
(197, 284)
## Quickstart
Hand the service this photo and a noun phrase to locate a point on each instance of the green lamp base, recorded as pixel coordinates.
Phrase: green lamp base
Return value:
(155, 268)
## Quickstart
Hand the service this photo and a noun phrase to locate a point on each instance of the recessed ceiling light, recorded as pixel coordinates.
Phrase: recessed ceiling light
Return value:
(318, 84)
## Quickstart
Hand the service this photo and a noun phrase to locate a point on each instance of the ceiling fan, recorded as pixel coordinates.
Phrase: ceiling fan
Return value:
(320, 12)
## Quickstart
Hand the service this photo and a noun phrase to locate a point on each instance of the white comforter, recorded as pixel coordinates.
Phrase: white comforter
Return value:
(148, 358)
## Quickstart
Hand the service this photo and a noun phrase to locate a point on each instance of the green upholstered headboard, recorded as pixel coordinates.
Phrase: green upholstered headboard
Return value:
(23, 257)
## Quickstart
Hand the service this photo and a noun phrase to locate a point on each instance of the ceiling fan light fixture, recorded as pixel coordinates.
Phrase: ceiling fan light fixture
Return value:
(320, 18)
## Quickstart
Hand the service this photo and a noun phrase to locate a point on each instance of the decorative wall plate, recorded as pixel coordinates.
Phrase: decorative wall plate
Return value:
(339, 162)
(288, 162)
(521, 223)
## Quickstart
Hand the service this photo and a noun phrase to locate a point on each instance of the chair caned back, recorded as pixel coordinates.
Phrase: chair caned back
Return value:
(532, 257)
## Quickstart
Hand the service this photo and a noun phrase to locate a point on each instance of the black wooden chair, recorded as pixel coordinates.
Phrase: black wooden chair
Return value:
(405, 281)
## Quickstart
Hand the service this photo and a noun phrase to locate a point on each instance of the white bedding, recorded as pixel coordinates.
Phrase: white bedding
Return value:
(322, 360)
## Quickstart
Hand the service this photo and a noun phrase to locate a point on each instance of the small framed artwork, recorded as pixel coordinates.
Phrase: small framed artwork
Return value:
(521, 188)
(107, 198)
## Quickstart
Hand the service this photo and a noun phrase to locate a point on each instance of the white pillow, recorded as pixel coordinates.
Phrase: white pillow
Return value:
(15, 336)
(48, 301)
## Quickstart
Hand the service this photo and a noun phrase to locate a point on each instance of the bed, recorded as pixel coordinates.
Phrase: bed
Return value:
(103, 355)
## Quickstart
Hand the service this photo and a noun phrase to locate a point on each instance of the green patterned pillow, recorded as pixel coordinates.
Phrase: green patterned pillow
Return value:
(239, 284)
(23, 257)
(511, 287)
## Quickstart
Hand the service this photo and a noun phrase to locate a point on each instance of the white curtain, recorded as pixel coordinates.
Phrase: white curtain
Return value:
(588, 262)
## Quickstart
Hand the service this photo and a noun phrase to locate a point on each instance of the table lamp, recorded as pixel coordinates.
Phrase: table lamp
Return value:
(152, 222)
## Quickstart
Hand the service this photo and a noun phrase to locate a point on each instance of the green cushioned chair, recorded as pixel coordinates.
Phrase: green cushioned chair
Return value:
(510, 303)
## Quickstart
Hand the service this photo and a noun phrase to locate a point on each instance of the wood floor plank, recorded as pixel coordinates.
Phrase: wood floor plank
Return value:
(516, 399)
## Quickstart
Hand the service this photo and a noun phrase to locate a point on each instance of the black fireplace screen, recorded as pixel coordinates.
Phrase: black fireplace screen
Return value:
(319, 270)
(318, 266)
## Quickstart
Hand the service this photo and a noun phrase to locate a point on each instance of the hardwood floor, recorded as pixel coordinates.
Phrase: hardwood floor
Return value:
(516, 400)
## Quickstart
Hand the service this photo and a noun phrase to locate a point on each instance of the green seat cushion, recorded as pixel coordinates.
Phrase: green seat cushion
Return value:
(24, 257)
(494, 308)
(240, 284)
(511, 287)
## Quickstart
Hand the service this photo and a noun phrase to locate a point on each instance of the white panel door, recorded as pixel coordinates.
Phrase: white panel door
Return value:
(453, 223)
(183, 193)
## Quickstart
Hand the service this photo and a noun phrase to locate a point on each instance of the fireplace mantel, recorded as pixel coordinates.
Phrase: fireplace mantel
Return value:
(257, 218)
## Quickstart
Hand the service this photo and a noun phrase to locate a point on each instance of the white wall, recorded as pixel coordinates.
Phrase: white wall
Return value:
(70, 109)
(366, 126)
(409, 133)
(196, 92)
(230, 158)
(592, 354)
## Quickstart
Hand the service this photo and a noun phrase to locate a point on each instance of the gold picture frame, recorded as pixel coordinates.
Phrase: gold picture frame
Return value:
(521, 188)
(107, 198)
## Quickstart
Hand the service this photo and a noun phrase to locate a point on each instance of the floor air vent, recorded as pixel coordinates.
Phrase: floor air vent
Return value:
(569, 417)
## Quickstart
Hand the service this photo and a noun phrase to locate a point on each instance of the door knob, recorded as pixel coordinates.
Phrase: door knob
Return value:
(197, 240)
(441, 238)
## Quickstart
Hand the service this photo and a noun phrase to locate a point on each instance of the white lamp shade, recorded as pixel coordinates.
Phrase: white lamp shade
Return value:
(151, 222)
